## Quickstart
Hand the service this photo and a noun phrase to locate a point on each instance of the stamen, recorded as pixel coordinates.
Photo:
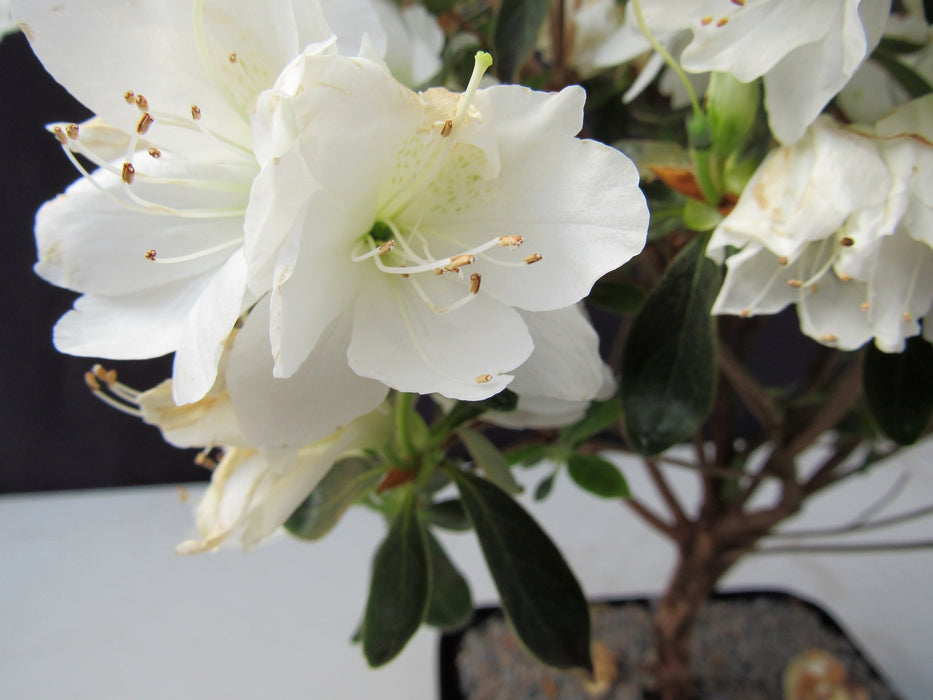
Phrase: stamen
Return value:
(908, 317)
(745, 313)
(386, 247)
(865, 306)
(145, 122)
(130, 97)
(481, 63)
(60, 135)
(459, 261)
(846, 242)
(151, 254)
(484, 379)
(461, 302)
(706, 21)
(510, 241)
(447, 128)
(193, 256)
(723, 21)
(795, 283)
(232, 57)
(783, 261)
(72, 131)
(195, 112)
(142, 103)
(100, 381)
(475, 280)
(129, 173)
(740, 3)
(843, 277)
(828, 338)
(531, 259)
(155, 152)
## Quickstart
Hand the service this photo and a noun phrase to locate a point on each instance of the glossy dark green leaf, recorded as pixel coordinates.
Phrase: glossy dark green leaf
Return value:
(538, 591)
(399, 588)
(899, 389)
(914, 83)
(894, 45)
(488, 458)
(518, 25)
(600, 415)
(543, 489)
(598, 476)
(669, 361)
(347, 481)
(448, 515)
(528, 455)
(618, 296)
(450, 604)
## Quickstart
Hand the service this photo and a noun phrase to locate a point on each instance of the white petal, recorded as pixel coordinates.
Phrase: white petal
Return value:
(902, 290)
(755, 283)
(350, 20)
(323, 395)
(465, 354)
(209, 323)
(414, 41)
(833, 315)
(210, 421)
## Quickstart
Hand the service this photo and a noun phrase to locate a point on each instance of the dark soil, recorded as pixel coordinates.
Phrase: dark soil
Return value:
(741, 647)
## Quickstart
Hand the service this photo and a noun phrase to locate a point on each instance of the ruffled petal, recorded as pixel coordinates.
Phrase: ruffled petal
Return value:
(208, 422)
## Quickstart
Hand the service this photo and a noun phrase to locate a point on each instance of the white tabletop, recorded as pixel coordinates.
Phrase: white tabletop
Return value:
(95, 605)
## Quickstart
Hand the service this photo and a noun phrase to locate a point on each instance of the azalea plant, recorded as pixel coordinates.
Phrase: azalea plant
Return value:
(369, 232)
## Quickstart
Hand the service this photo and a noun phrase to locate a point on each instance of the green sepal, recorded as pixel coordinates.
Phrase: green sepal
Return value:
(399, 588)
(539, 593)
(669, 361)
(899, 389)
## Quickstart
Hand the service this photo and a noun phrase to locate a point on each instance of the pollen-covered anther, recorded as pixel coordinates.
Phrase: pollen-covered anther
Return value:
(439, 271)
(783, 261)
(155, 152)
(107, 376)
(386, 247)
(447, 128)
(510, 241)
(722, 22)
(484, 379)
(130, 97)
(195, 112)
(796, 284)
(740, 3)
(746, 313)
(459, 261)
(129, 173)
(232, 57)
(531, 259)
(865, 306)
(828, 338)
(60, 134)
(908, 317)
(151, 254)
(72, 131)
(91, 381)
(706, 21)
(843, 277)
(145, 122)
(475, 280)
(846, 242)
(142, 103)
(204, 459)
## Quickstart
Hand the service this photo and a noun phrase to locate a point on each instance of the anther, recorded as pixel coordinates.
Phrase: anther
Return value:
(846, 242)
(129, 173)
(475, 279)
(447, 128)
(145, 122)
(814, 288)
(706, 21)
(530, 259)
(72, 131)
(439, 271)
(195, 112)
(151, 254)
(130, 97)
(783, 261)
(459, 261)
(155, 152)
(843, 277)
(91, 381)
(908, 317)
(510, 241)
(740, 3)
(828, 338)
(386, 247)
(232, 57)
(796, 284)
(60, 135)
(484, 379)
(107, 376)
(722, 22)
(865, 306)
(746, 313)
(142, 103)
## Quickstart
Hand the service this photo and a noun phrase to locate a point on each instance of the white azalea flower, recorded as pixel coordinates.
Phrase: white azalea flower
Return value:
(403, 213)
(153, 238)
(839, 224)
(414, 41)
(805, 51)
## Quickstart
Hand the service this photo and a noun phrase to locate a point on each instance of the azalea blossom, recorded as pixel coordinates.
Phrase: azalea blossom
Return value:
(153, 238)
(429, 227)
(839, 224)
(804, 51)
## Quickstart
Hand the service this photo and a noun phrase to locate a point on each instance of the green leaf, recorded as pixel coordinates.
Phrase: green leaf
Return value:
(518, 25)
(700, 216)
(618, 296)
(450, 606)
(448, 515)
(543, 490)
(598, 476)
(914, 83)
(893, 45)
(490, 460)
(669, 362)
(399, 589)
(899, 389)
(348, 480)
(539, 593)
(438, 7)
(599, 416)
(465, 411)
(528, 455)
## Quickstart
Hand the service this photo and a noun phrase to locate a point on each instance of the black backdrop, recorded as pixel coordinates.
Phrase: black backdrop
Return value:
(53, 433)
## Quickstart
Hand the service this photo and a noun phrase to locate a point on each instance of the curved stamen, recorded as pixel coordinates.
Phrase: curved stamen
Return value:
(153, 256)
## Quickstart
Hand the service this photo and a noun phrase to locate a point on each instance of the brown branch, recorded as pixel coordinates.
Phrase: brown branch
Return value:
(891, 547)
(847, 389)
(713, 472)
(660, 483)
(823, 476)
(753, 395)
(650, 517)
(904, 517)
